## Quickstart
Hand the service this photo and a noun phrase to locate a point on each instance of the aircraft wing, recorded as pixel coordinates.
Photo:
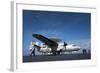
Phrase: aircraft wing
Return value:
(45, 40)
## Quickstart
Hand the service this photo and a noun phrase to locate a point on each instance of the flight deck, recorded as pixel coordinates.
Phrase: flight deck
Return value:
(62, 57)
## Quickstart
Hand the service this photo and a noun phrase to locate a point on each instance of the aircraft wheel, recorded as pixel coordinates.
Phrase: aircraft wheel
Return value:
(54, 52)
(58, 52)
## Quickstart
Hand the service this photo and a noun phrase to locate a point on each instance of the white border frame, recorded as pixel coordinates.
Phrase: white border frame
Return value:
(16, 51)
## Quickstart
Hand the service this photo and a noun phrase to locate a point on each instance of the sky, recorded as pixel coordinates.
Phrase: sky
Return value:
(71, 27)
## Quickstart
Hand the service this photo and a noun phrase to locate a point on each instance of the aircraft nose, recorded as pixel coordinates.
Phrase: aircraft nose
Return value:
(78, 48)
